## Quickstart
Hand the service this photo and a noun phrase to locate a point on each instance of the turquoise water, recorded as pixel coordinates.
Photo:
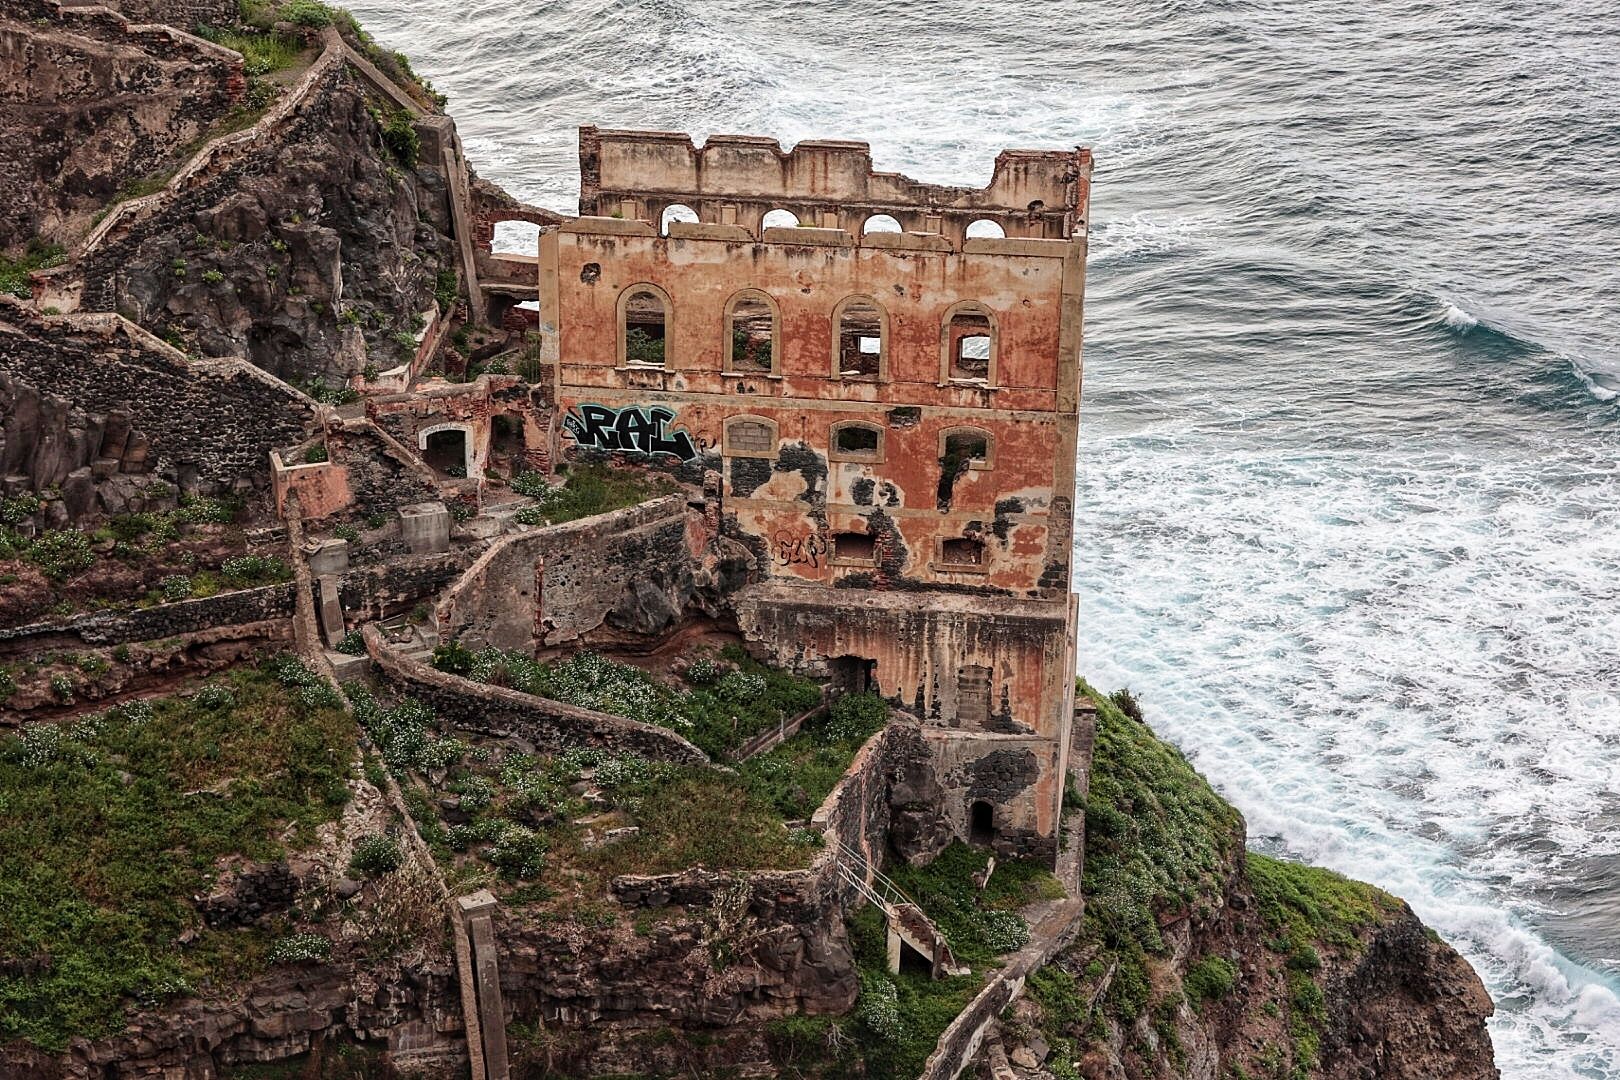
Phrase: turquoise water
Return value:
(1349, 519)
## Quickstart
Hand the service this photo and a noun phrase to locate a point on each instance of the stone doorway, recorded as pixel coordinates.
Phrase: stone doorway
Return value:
(981, 823)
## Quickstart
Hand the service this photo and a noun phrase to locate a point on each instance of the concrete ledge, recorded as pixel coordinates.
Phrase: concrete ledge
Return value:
(697, 230)
(904, 241)
(1016, 245)
(608, 226)
(804, 237)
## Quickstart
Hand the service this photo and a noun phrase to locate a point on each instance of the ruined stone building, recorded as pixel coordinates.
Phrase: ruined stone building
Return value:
(885, 376)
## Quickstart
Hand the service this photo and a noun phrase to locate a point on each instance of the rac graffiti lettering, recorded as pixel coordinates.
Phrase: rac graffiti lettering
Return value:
(632, 429)
(800, 550)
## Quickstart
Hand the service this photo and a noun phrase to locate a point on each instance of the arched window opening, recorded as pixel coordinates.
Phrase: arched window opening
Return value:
(515, 238)
(981, 823)
(749, 437)
(860, 339)
(880, 223)
(780, 219)
(969, 344)
(855, 441)
(676, 212)
(985, 229)
(973, 699)
(751, 332)
(643, 325)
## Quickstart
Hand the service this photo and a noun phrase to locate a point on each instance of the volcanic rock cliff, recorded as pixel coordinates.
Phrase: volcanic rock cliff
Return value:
(1202, 959)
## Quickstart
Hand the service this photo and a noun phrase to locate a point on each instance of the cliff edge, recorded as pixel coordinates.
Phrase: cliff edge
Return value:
(1201, 959)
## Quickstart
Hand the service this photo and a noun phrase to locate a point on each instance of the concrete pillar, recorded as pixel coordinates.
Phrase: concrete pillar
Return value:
(476, 913)
(331, 611)
(425, 528)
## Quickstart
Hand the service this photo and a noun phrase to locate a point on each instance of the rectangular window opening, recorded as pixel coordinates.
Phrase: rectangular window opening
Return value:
(855, 547)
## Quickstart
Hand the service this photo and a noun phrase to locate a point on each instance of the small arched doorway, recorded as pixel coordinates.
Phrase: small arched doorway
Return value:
(981, 823)
(447, 450)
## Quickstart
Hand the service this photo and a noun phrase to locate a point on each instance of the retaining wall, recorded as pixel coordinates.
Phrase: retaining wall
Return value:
(632, 571)
(496, 711)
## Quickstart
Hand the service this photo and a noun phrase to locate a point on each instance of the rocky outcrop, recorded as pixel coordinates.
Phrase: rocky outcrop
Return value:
(93, 101)
(91, 410)
(1202, 960)
(413, 1010)
(315, 253)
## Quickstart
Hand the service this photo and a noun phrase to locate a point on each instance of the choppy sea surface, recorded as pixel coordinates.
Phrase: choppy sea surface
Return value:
(1349, 514)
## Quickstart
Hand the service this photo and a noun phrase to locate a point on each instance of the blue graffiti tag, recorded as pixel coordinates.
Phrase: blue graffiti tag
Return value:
(632, 429)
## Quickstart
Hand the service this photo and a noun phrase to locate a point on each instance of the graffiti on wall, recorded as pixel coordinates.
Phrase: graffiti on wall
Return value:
(633, 429)
(800, 550)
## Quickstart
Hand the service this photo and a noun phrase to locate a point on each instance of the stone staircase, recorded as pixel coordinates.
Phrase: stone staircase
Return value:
(909, 926)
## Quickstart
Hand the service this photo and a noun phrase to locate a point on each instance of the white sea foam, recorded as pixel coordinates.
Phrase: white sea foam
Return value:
(1421, 700)
(1457, 318)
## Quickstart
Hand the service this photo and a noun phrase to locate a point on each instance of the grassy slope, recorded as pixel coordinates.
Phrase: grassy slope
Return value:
(1160, 843)
(107, 830)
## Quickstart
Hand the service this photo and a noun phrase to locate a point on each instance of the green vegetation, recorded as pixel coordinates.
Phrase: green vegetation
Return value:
(262, 53)
(1157, 839)
(1211, 979)
(399, 135)
(1308, 907)
(898, 1018)
(797, 776)
(981, 925)
(164, 546)
(587, 490)
(14, 272)
(523, 815)
(716, 717)
(375, 856)
(642, 348)
(108, 827)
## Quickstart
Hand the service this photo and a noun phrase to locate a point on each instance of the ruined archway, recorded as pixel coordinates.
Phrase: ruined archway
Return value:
(447, 449)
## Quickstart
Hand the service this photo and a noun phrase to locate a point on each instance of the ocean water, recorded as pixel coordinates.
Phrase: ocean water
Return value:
(1349, 514)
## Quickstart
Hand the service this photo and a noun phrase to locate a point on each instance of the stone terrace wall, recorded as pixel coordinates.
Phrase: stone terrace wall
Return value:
(95, 100)
(208, 425)
(392, 588)
(240, 608)
(632, 570)
(496, 711)
(857, 816)
(182, 13)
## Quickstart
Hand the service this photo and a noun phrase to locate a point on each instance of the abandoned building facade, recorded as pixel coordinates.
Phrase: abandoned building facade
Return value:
(880, 380)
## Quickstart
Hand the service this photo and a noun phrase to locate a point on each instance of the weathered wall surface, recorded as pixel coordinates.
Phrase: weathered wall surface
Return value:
(307, 251)
(739, 177)
(1002, 748)
(392, 588)
(184, 14)
(87, 398)
(93, 101)
(631, 573)
(494, 710)
(506, 423)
